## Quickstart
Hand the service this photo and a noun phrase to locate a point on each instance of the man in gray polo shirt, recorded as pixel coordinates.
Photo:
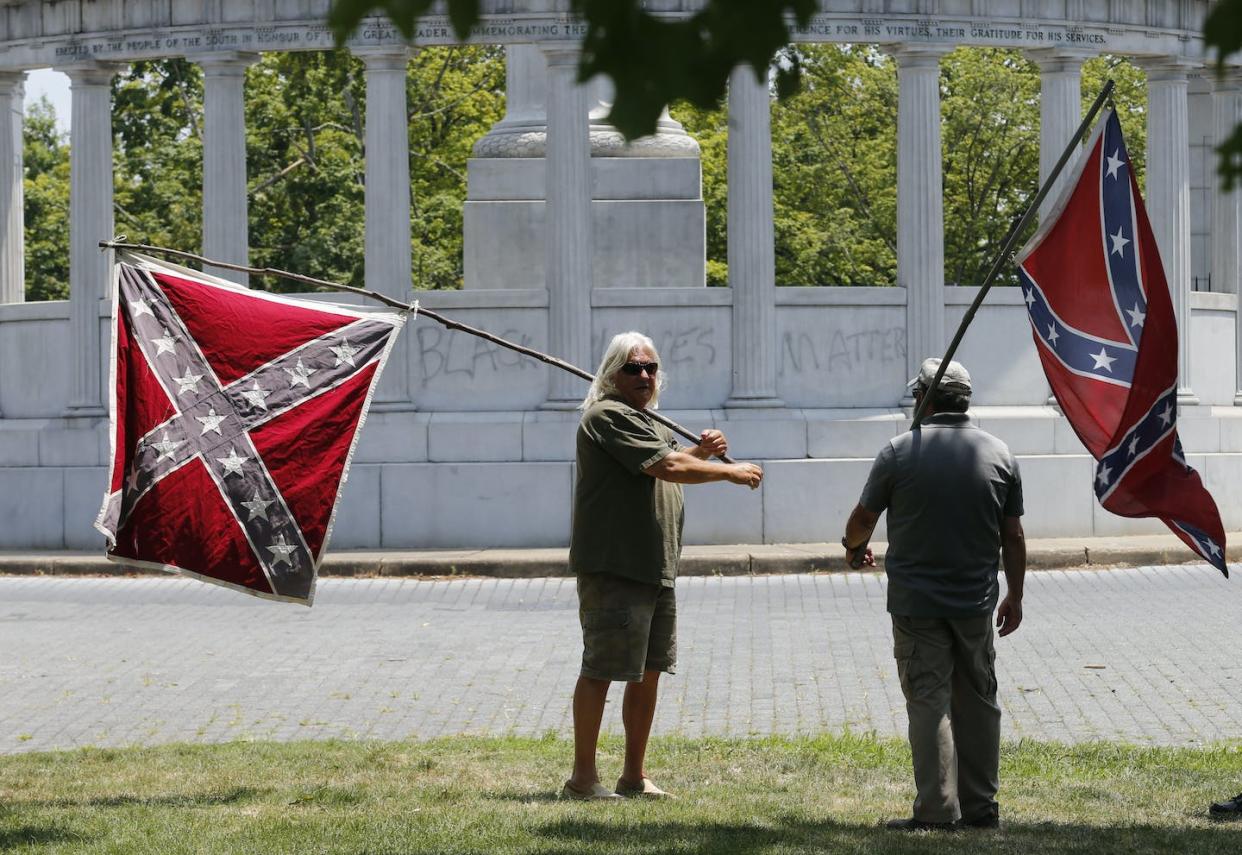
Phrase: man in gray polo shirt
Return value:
(954, 500)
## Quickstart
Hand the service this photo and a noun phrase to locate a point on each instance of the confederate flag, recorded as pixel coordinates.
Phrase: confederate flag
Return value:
(1105, 331)
(234, 414)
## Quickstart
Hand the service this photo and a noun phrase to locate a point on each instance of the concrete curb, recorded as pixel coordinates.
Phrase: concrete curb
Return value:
(741, 560)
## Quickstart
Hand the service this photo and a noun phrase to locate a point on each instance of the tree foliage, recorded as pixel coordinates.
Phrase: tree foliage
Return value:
(306, 119)
(835, 170)
(157, 155)
(305, 139)
(305, 134)
(834, 153)
(46, 215)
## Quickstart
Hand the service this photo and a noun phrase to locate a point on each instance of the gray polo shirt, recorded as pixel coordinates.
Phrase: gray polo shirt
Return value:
(946, 487)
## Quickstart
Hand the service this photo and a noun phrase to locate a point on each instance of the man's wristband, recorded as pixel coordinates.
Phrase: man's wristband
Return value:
(849, 548)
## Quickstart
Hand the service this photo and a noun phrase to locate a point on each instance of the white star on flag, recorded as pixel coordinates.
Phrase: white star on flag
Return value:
(131, 480)
(281, 551)
(300, 374)
(141, 307)
(1115, 163)
(1137, 316)
(258, 506)
(1165, 416)
(233, 463)
(187, 382)
(1119, 243)
(1134, 445)
(165, 344)
(1030, 297)
(1213, 548)
(1053, 335)
(257, 396)
(166, 446)
(344, 354)
(211, 422)
(1103, 360)
(1103, 475)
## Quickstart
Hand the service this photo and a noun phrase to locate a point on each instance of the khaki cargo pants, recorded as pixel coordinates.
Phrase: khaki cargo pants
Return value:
(948, 675)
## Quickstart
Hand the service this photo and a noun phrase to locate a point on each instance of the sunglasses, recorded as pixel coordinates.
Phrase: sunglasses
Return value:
(636, 368)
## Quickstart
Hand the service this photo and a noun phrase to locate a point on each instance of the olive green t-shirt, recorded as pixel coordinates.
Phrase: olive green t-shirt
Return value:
(625, 522)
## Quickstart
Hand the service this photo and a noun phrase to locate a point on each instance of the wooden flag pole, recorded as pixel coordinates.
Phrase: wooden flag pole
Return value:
(449, 323)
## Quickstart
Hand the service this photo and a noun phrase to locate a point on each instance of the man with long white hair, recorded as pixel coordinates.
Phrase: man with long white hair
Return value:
(624, 549)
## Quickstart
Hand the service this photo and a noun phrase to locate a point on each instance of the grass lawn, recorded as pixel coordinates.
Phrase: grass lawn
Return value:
(499, 795)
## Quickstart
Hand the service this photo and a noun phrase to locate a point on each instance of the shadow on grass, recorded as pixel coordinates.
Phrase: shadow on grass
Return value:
(226, 797)
(526, 797)
(741, 838)
(36, 835)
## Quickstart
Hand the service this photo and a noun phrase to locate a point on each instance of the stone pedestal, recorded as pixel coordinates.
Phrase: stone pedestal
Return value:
(752, 254)
(90, 221)
(225, 232)
(1168, 194)
(647, 215)
(920, 206)
(12, 238)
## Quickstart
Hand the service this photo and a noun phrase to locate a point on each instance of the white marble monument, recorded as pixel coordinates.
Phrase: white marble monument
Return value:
(572, 236)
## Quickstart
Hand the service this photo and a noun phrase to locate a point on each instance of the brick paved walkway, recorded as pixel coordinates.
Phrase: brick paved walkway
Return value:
(1145, 655)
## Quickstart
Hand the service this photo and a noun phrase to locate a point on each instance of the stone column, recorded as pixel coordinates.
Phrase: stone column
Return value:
(920, 204)
(1060, 113)
(1226, 114)
(225, 233)
(12, 235)
(387, 261)
(567, 221)
(752, 255)
(90, 221)
(1168, 193)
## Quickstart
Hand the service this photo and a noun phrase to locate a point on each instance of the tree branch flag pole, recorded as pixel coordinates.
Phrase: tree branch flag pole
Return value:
(448, 323)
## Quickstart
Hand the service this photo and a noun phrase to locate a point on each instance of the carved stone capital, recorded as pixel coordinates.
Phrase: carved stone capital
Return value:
(90, 73)
(1058, 60)
(226, 63)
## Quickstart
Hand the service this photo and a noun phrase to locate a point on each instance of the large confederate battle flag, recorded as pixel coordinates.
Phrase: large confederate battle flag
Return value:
(234, 417)
(1105, 330)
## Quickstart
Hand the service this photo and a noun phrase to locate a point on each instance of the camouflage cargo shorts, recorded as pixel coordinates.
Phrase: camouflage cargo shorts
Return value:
(627, 627)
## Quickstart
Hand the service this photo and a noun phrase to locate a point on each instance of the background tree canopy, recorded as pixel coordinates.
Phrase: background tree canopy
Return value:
(833, 147)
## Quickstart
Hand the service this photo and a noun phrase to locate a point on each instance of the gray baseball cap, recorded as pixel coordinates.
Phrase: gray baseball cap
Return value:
(956, 378)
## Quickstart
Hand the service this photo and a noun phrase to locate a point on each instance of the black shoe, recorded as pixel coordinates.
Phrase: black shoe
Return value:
(913, 824)
(987, 821)
(1231, 809)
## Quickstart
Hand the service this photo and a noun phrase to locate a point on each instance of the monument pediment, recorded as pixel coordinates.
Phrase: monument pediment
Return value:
(36, 33)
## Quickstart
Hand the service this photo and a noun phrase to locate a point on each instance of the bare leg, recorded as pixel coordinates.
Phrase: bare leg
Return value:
(637, 713)
(589, 698)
